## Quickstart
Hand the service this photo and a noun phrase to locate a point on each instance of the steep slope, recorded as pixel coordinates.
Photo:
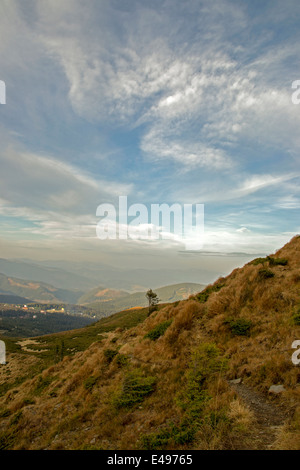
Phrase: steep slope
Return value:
(37, 291)
(167, 381)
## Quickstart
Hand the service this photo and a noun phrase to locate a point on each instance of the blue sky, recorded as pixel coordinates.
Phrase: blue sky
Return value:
(164, 101)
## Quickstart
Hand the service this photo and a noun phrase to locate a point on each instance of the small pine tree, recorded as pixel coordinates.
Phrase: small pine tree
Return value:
(153, 300)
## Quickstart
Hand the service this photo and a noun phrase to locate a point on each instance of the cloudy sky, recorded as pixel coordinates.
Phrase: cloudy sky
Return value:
(169, 101)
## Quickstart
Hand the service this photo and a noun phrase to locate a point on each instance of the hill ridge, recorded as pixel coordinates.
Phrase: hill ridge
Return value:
(161, 381)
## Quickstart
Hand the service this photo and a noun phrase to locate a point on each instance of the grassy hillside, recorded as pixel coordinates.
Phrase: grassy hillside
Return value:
(37, 291)
(165, 381)
(103, 306)
(101, 294)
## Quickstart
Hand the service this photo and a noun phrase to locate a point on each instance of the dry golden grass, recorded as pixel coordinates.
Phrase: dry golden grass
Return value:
(70, 404)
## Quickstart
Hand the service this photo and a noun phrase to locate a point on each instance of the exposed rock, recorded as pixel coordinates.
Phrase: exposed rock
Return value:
(276, 389)
(236, 381)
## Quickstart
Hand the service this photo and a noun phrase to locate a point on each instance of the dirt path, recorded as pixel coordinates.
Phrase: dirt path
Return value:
(269, 416)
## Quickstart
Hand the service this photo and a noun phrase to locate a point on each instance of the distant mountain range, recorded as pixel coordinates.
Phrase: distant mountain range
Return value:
(56, 276)
(84, 276)
(104, 302)
(37, 291)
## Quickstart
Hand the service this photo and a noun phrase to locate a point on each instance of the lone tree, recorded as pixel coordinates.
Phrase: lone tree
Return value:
(152, 300)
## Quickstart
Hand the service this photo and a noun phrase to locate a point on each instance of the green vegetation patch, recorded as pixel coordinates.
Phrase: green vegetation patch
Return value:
(90, 382)
(277, 261)
(265, 273)
(271, 260)
(109, 354)
(136, 386)
(206, 361)
(122, 360)
(206, 365)
(239, 327)
(158, 330)
(203, 296)
(42, 384)
(180, 435)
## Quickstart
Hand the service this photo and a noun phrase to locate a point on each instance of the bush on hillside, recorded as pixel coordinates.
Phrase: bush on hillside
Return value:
(122, 359)
(203, 296)
(239, 327)
(90, 382)
(109, 354)
(136, 387)
(158, 330)
(277, 261)
(265, 273)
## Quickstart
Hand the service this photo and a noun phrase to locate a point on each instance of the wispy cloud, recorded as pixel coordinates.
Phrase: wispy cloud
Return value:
(186, 101)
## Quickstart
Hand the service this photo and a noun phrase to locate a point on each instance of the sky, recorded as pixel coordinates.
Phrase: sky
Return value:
(169, 101)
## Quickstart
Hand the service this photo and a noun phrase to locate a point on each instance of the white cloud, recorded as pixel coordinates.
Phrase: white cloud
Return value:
(202, 90)
(58, 199)
(158, 147)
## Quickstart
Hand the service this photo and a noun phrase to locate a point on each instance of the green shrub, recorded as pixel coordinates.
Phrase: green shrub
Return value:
(109, 354)
(158, 330)
(265, 273)
(122, 360)
(135, 388)
(90, 382)
(277, 261)
(206, 363)
(180, 435)
(156, 440)
(239, 327)
(203, 296)
(42, 384)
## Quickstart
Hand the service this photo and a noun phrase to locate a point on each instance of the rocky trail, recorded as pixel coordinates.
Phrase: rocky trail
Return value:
(269, 416)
